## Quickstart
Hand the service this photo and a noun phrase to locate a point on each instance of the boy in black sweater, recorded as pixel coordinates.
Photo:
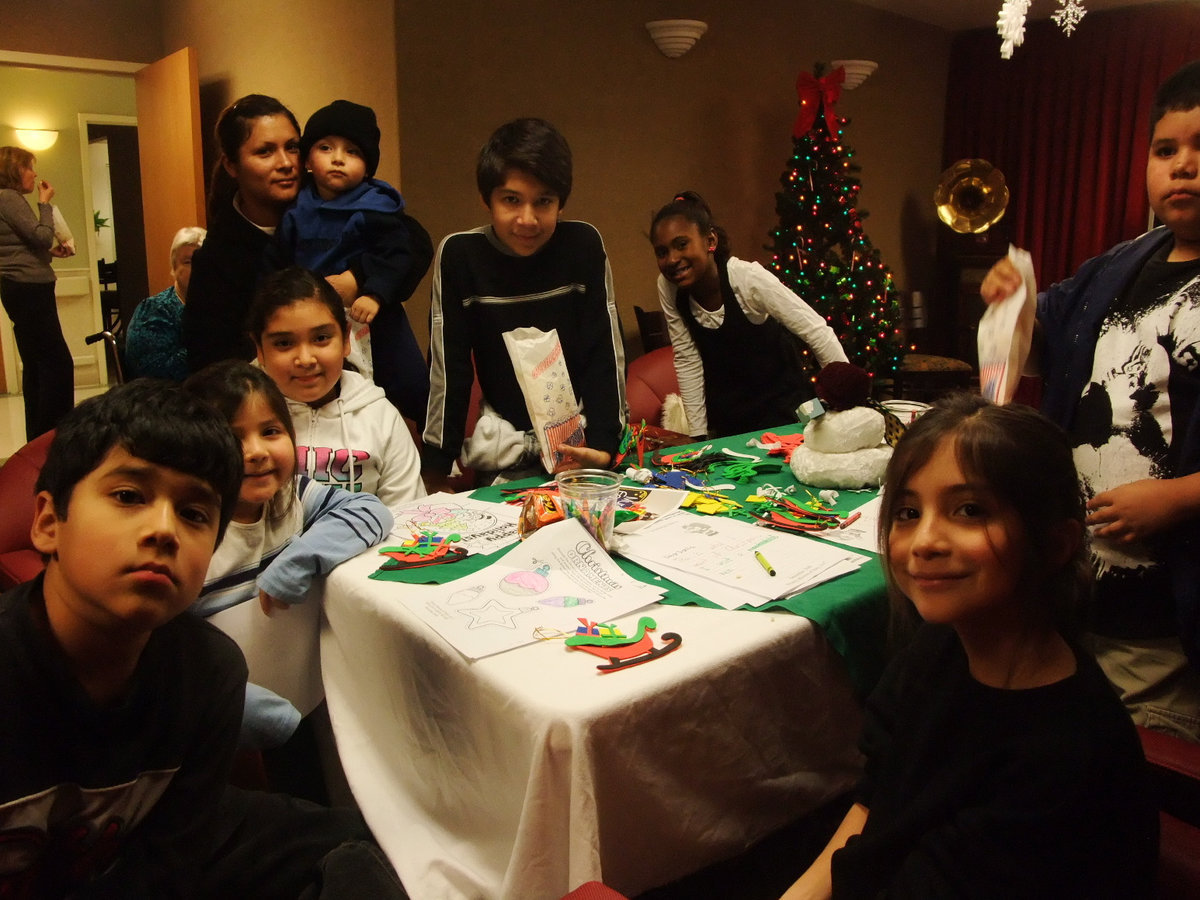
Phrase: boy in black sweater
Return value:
(120, 715)
(526, 269)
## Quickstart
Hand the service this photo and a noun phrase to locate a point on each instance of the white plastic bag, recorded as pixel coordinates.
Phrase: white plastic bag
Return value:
(1006, 333)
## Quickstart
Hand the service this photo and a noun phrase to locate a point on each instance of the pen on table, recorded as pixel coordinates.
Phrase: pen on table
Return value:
(850, 520)
(762, 561)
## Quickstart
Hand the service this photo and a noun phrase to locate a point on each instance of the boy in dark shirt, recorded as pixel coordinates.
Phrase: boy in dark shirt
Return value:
(526, 269)
(120, 715)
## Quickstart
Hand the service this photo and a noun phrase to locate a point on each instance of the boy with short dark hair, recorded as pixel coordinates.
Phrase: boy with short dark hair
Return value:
(1120, 356)
(526, 269)
(120, 715)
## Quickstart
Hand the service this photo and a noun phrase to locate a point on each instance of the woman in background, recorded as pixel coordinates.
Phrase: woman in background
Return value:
(154, 341)
(27, 292)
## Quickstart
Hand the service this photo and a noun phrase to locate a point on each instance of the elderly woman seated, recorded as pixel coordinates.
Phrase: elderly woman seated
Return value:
(154, 338)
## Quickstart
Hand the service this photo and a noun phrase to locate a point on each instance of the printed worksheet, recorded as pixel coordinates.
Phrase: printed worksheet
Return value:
(734, 563)
(862, 533)
(654, 502)
(545, 584)
(474, 525)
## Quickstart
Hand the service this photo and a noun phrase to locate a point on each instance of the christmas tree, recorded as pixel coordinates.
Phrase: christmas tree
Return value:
(820, 250)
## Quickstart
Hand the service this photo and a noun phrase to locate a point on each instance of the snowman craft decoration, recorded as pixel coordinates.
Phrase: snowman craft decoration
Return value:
(848, 440)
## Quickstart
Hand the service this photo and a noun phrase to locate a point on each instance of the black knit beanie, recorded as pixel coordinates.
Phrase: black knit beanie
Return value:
(352, 121)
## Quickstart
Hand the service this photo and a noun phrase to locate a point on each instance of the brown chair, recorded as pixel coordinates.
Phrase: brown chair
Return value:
(249, 772)
(19, 561)
(648, 380)
(1176, 767)
(653, 328)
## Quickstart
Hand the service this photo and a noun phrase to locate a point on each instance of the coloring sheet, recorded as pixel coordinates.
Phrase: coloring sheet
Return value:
(656, 502)
(862, 533)
(730, 562)
(481, 527)
(549, 581)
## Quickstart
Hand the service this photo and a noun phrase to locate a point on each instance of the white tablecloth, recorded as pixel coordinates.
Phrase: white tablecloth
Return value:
(282, 650)
(527, 773)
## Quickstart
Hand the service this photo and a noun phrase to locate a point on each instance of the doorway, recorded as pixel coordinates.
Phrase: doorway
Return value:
(121, 239)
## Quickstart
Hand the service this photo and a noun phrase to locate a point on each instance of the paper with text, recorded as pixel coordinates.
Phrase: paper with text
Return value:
(726, 560)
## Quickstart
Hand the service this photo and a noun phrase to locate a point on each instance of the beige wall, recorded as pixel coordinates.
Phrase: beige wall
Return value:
(641, 126)
(128, 30)
(304, 52)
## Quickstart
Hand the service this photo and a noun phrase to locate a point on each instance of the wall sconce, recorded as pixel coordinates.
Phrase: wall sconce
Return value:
(36, 138)
(676, 37)
(857, 71)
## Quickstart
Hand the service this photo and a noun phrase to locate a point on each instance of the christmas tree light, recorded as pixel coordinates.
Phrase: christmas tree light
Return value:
(837, 269)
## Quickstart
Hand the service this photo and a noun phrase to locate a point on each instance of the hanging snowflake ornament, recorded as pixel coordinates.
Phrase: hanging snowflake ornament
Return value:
(1010, 25)
(1070, 12)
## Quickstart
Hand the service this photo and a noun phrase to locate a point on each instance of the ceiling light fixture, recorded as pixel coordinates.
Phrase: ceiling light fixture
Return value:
(676, 37)
(857, 71)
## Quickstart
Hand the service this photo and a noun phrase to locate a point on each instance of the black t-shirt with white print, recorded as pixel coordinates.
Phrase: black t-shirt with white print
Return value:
(1145, 372)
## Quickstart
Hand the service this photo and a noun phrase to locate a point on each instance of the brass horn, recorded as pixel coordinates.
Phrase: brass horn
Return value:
(971, 196)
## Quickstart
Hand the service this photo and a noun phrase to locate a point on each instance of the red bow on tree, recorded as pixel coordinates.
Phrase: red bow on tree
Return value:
(814, 92)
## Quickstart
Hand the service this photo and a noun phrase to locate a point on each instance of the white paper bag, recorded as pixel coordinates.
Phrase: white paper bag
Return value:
(62, 231)
(546, 384)
(1005, 334)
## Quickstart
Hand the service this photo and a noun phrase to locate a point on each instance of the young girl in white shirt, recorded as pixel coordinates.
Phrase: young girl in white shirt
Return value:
(347, 434)
(740, 335)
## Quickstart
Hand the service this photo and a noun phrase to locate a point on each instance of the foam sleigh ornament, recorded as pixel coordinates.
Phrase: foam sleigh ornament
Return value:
(848, 439)
(622, 652)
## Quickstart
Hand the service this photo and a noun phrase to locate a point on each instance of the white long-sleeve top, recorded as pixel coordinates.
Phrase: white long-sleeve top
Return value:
(761, 296)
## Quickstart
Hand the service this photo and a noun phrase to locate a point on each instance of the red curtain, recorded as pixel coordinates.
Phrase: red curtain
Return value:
(1067, 122)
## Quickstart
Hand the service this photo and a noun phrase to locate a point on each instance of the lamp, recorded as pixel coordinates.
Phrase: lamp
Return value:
(676, 37)
(857, 71)
(36, 138)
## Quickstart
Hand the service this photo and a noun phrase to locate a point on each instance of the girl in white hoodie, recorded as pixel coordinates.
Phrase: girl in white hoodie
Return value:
(347, 433)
